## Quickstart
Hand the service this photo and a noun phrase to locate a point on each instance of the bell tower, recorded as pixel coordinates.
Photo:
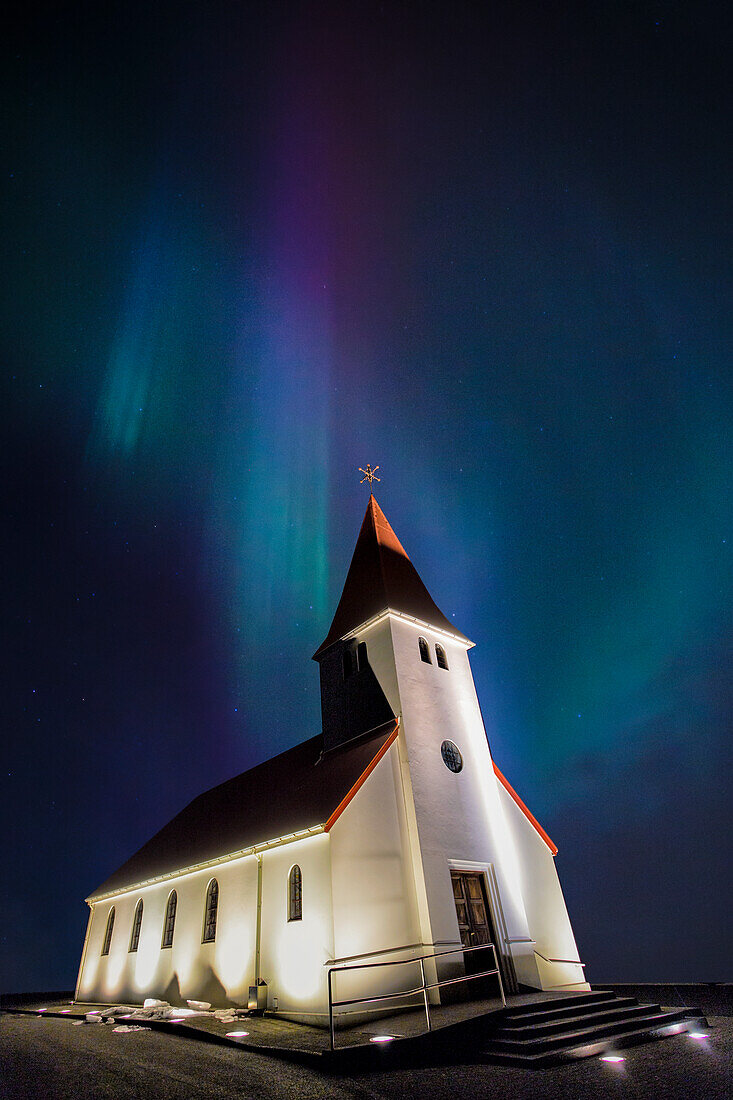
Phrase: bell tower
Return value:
(381, 579)
(392, 653)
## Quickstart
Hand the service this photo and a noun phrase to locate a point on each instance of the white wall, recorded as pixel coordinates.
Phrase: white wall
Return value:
(373, 899)
(459, 817)
(294, 952)
(220, 972)
(374, 904)
(547, 915)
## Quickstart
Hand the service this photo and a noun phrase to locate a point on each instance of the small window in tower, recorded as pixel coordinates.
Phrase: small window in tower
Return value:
(349, 662)
(424, 651)
(137, 921)
(170, 920)
(108, 931)
(295, 893)
(440, 657)
(212, 906)
(355, 659)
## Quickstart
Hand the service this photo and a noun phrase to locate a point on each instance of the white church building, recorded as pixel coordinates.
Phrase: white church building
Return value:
(392, 834)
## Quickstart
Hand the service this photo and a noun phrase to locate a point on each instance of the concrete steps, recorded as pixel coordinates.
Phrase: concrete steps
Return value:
(576, 1027)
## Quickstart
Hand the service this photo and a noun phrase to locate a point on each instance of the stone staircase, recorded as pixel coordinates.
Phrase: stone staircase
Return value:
(577, 1026)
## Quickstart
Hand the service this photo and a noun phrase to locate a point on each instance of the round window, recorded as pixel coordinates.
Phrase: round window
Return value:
(451, 756)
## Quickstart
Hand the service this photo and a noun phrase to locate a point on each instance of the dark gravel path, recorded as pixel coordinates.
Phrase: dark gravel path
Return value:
(52, 1059)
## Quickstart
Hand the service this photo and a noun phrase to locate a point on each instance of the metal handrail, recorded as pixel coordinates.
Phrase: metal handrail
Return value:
(423, 988)
(572, 962)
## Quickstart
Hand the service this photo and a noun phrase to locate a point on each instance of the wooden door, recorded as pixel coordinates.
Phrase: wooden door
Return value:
(474, 919)
(476, 927)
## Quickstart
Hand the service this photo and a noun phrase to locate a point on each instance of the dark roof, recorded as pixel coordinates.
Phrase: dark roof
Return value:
(298, 789)
(381, 576)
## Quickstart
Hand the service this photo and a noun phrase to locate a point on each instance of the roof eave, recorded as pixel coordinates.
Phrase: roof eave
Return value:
(216, 861)
(453, 636)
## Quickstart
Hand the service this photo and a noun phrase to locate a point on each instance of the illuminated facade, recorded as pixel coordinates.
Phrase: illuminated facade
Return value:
(389, 834)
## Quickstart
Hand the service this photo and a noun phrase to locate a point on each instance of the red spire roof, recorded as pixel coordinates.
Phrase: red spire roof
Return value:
(381, 576)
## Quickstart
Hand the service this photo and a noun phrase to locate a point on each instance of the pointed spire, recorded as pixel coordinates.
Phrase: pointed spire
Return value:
(381, 576)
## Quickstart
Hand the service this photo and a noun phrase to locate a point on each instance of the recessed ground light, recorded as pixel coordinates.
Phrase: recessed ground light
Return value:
(65, 1010)
(698, 1034)
(42, 1010)
(236, 1034)
(176, 1021)
(381, 1038)
(612, 1058)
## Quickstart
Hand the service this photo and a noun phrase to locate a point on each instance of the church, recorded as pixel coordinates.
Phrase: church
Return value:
(390, 836)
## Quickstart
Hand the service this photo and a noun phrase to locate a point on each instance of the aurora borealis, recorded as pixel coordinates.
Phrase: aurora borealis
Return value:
(250, 248)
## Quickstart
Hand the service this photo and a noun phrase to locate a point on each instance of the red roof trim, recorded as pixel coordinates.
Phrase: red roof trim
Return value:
(362, 778)
(530, 817)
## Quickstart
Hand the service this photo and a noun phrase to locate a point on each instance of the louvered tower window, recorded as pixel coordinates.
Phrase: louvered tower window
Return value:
(354, 659)
(424, 650)
(349, 662)
(440, 657)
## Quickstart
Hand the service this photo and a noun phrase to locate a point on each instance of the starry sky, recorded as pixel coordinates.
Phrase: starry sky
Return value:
(251, 247)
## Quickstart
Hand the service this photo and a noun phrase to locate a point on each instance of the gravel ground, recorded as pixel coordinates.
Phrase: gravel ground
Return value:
(54, 1060)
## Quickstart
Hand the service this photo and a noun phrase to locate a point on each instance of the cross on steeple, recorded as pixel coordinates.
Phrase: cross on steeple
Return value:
(370, 474)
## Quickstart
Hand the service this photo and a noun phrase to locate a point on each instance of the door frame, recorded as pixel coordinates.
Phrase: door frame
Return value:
(503, 951)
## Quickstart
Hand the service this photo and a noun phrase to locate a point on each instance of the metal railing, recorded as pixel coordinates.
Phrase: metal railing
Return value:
(570, 962)
(423, 988)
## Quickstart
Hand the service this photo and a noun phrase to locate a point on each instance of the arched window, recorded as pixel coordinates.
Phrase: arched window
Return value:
(424, 651)
(108, 931)
(170, 919)
(295, 893)
(212, 906)
(137, 921)
(440, 657)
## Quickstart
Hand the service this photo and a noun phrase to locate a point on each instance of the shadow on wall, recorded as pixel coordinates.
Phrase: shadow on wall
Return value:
(205, 987)
(209, 988)
(172, 992)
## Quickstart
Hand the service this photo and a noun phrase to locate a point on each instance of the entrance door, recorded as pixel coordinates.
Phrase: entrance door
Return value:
(475, 925)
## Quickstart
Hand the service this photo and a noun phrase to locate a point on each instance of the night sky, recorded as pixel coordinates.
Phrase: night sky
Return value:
(249, 248)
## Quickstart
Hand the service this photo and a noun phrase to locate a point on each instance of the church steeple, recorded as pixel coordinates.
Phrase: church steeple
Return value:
(381, 576)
